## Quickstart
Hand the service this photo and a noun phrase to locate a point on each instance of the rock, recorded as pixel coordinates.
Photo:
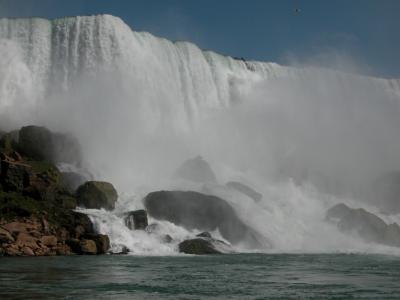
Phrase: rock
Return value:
(97, 194)
(392, 235)
(27, 251)
(204, 234)
(197, 246)
(41, 144)
(102, 242)
(244, 189)
(124, 250)
(24, 239)
(72, 181)
(338, 211)
(67, 201)
(368, 226)
(197, 170)
(166, 238)
(14, 176)
(87, 247)
(194, 210)
(5, 236)
(48, 240)
(136, 220)
(36, 142)
(74, 245)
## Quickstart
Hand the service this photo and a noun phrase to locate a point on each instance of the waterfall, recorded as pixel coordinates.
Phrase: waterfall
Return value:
(141, 104)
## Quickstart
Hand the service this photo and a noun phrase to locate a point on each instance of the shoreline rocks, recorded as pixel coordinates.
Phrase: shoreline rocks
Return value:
(37, 214)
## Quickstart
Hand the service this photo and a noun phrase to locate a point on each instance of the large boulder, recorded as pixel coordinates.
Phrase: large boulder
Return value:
(194, 210)
(197, 170)
(368, 226)
(39, 143)
(197, 246)
(97, 194)
(245, 189)
(338, 211)
(136, 220)
(102, 242)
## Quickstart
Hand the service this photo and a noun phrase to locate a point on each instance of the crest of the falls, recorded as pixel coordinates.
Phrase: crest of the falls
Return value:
(53, 55)
(141, 105)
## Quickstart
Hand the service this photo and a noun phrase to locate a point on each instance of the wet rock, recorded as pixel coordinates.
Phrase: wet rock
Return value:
(102, 242)
(194, 210)
(28, 251)
(36, 142)
(48, 240)
(124, 250)
(204, 234)
(198, 246)
(368, 226)
(338, 211)
(197, 170)
(97, 194)
(5, 236)
(245, 189)
(166, 238)
(41, 144)
(136, 220)
(24, 239)
(88, 247)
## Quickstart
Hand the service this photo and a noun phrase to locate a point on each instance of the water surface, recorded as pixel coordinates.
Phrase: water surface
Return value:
(238, 276)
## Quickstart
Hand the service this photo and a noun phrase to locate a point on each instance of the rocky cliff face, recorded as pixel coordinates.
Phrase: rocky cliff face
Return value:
(36, 209)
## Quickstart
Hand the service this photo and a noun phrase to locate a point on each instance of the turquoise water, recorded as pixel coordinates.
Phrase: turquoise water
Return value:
(241, 276)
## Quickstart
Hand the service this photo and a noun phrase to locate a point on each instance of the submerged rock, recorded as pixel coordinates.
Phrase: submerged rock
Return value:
(198, 246)
(245, 189)
(197, 170)
(368, 226)
(136, 220)
(194, 210)
(97, 194)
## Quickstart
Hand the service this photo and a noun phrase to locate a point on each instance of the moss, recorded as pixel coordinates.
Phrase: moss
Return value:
(16, 205)
(7, 144)
(97, 194)
(46, 170)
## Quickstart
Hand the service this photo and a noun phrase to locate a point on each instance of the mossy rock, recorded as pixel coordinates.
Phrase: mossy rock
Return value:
(67, 202)
(97, 194)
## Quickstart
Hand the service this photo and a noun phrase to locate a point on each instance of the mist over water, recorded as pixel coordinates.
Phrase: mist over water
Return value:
(306, 138)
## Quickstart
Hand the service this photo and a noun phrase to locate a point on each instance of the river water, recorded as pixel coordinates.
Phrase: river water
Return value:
(236, 276)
